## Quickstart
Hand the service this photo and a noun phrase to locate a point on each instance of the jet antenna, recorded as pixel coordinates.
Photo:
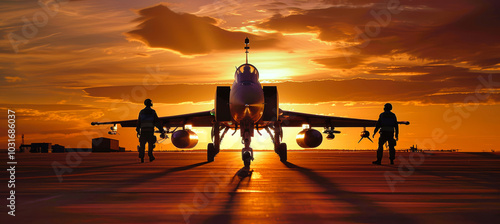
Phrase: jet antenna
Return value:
(247, 41)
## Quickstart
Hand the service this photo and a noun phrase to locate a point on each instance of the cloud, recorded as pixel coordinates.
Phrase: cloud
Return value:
(169, 94)
(48, 107)
(340, 62)
(331, 24)
(51, 118)
(464, 31)
(189, 34)
(11, 79)
(439, 84)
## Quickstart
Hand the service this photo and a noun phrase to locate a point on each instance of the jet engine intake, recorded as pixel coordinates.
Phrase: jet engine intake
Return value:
(309, 138)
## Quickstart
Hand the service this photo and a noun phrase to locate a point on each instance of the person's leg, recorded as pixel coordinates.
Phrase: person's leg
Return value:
(392, 150)
(380, 150)
(142, 148)
(151, 146)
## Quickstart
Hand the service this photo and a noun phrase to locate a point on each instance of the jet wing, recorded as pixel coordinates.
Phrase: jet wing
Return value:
(199, 119)
(295, 119)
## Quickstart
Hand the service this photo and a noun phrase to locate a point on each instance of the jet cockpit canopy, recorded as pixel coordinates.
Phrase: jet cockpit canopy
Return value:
(246, 72)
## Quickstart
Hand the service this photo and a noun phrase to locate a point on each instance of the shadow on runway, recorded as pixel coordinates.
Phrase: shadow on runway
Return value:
(111, 186)
(181, 168)
(84, 169)
(486, 179)
(77, 170)
(145, 177)
(226, 213)
(490, 155)
(242, 174)
(151, 176)
(462, 172)
(367, 211)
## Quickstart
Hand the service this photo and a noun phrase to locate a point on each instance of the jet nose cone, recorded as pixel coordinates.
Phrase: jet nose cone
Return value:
(247, 102)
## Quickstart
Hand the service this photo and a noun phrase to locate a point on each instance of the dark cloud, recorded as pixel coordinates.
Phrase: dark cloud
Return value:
(333, 23)
(439, 84)
(447, 31)
(190, 34)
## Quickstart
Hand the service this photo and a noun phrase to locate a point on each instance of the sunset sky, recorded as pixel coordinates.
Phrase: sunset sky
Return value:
(64, 64)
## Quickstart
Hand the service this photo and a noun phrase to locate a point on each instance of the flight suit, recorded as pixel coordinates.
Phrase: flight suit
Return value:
(146, 122)
(388, 125)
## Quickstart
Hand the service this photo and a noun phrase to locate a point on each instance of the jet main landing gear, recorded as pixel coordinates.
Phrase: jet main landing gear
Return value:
(282, 149)
(279, 147)
(211, 152)
(213, 148)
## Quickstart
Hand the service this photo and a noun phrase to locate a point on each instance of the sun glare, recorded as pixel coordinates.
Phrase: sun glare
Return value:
(276, 74)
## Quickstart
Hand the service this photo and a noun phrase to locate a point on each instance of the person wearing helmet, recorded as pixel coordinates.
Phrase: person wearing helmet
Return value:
(146, 123)
(388, 125)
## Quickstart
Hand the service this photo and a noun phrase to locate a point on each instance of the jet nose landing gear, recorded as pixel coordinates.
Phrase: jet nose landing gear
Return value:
(247, 158)
(247, 152)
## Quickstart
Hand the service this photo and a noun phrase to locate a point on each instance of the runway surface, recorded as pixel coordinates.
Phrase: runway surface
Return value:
(313, 187)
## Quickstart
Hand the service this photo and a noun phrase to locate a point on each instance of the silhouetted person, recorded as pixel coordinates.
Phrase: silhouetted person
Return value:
(388, 124)
(146, 123)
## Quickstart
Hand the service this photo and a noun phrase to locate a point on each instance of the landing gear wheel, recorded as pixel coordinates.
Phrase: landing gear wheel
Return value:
(210, 152)
(283, 152)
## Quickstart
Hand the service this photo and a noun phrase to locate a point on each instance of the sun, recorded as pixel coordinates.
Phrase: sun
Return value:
(275, 74)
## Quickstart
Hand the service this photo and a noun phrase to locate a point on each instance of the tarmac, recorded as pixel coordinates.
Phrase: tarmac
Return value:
(312, 187)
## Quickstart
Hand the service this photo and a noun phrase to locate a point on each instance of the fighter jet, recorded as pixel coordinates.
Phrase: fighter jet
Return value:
(248, 106)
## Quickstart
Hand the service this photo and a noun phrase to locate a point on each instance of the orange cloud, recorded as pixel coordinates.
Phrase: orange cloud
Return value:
(439, 84)
(462, 32)
(11, 79)
(340, 62)
(190, 34)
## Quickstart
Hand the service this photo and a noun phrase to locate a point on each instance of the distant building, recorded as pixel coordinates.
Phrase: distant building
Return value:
(40, 147)
(24, 148)
(58, 148)
(414, 149)
(106, 145)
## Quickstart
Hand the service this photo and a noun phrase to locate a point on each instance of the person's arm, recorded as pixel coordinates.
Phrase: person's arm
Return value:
(158, 123)
(396, 127)
(377, 127)
(138, 128)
